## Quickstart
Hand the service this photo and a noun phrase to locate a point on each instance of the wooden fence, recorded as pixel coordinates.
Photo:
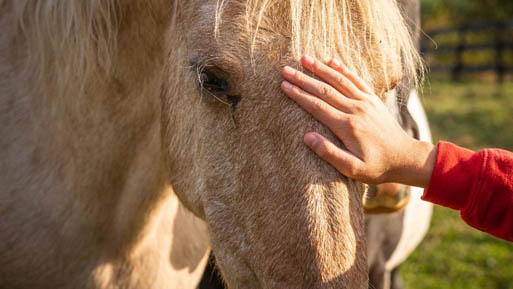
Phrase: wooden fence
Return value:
(498, 39)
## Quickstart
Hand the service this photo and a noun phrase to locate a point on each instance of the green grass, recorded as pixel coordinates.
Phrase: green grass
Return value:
(474, 115)
(453, 255)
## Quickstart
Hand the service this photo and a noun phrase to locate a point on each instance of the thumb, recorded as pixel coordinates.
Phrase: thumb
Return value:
(341, 159)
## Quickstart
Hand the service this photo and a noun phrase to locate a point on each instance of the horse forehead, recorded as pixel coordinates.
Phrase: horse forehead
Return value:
(211, 9)
(231, 28)
(239, 12)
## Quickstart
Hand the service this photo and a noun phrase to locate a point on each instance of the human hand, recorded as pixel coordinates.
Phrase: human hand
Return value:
(377, 149)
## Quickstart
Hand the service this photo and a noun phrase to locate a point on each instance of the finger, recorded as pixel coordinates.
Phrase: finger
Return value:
(353, 77)
(322, 111)
(338, 80)
(317, 88)
(342, 160)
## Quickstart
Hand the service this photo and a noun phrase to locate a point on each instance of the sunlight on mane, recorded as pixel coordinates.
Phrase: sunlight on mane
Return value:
(67, 40)
(369, 36)
(72, 40)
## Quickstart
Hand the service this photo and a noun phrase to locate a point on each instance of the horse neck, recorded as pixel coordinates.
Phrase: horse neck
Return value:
(90, 159)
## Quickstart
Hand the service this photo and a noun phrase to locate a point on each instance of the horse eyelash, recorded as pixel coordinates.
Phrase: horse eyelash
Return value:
(233, 100)
(200, 69)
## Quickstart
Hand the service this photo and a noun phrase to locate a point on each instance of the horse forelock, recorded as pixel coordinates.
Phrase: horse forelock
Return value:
(369, 36)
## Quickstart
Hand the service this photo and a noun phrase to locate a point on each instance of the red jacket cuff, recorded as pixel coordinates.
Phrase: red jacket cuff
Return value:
(454, 175)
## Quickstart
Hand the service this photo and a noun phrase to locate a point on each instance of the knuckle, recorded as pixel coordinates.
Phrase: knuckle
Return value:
(295, 90)
(342, 69)
(352, 125)
(343, 81)
(318, 106)
(358, 107)
(324, 90)
(340, 119)
(298, 76)
(365, 107)
(368, 98)
(362, 108)
(317, 65)
(353, 170)
(339, 79)
(322, 150)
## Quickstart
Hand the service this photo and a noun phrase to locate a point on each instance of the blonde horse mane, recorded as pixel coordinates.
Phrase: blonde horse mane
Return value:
(369, 36)
(68, 41)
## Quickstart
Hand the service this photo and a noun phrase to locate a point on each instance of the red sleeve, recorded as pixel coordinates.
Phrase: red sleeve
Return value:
(480, 185)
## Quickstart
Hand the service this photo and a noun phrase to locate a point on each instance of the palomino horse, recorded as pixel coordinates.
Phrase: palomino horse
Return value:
(390, 237)
(136, 134)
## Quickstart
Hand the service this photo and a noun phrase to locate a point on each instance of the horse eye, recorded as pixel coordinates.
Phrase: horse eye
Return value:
(212, 80)
(213, 83)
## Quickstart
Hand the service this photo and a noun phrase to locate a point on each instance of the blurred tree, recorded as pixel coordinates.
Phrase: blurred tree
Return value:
(446, 12)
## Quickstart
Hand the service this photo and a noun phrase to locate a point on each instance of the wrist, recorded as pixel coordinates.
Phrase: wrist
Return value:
(417, 167)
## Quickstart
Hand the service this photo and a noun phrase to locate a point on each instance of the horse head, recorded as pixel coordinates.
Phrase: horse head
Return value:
(278, 216)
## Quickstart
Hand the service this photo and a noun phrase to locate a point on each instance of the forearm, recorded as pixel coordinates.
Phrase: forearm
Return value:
(416, 167)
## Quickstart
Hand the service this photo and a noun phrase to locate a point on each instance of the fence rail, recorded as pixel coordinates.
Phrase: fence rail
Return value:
(502, 43)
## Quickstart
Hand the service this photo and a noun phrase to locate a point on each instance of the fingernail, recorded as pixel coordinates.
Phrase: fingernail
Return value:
(336, 63)
(308, 60)
(289, 71)
(311, 140)
(286, 85)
